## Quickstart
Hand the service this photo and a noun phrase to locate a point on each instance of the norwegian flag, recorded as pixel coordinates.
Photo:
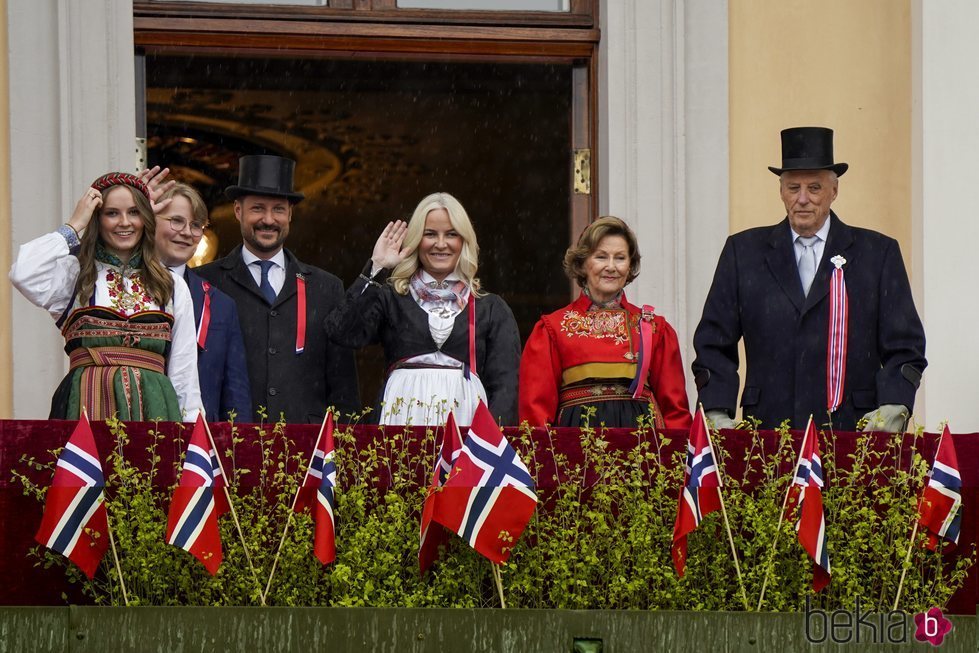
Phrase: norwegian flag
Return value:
(701, 494)
(433, 535)
(75, 523)
(807, 491)
(940, 507)
(198, 501)
(318, 493)
(488, 496)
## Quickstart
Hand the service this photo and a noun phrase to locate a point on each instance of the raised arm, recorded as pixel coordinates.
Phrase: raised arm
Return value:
(154, 178)
(46, 268)
(357, 321)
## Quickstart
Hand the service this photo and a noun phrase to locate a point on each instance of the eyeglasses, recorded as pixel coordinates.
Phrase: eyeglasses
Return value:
(178, 224)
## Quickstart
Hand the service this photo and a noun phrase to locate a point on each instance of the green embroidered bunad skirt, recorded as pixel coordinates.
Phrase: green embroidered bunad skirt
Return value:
(118, 367)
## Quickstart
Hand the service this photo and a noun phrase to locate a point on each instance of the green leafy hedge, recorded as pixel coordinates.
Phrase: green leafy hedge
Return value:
(600, 538)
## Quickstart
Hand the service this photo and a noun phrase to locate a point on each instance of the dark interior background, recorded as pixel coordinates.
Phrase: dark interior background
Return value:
(371, 138)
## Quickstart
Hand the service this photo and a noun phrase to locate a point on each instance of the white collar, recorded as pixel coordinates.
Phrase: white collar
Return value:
(178, 269)
(822, 234)
(279, 259)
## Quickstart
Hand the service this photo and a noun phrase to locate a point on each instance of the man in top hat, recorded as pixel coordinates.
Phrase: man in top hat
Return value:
(825, 310)
(294, 370)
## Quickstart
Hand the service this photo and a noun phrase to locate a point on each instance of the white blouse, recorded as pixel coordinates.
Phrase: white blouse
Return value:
(424, 396)
(45, 273)
(441, 319)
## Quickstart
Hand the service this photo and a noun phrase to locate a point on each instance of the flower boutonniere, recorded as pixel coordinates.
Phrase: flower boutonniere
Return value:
(838, 261)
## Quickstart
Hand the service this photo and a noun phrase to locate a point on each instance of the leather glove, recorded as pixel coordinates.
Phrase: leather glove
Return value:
(720, 419)
(888, 418)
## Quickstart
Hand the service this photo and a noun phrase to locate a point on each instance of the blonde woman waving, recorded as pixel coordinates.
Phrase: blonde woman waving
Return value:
(447, 343)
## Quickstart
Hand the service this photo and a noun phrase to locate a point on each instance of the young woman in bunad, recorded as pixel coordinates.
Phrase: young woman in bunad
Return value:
(128, 322)
(600, 350)
(416, 296)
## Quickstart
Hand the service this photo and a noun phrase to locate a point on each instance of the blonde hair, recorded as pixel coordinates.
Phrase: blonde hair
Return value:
(607, 225)
(156, 278)
(468, 258)
(197, 205)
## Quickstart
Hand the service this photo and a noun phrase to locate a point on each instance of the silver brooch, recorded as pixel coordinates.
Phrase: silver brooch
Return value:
(838, 261)
(441, 310)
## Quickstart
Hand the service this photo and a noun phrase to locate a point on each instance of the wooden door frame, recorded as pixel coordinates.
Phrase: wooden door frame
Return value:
(377, 29)
(582, 14)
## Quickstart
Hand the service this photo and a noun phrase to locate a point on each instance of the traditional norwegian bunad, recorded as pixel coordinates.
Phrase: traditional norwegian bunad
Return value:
(586, 355)
(440, 354)
(128, 356)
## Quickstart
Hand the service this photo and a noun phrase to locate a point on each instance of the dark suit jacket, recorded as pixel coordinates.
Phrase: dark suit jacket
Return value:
(221, 363)
(299, 386)
(757, 295)
(380, 315)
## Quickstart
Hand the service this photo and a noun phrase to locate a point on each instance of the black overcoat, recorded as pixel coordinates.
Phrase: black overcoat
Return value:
(299, 386)
(757, 295)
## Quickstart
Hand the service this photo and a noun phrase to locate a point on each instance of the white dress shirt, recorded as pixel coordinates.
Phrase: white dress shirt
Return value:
(277, 273)
(817, 247)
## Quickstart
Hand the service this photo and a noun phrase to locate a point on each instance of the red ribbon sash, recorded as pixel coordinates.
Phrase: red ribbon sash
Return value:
(836, 345)
(300, 313)
(472, 333)
(645, 351)
(205, 316)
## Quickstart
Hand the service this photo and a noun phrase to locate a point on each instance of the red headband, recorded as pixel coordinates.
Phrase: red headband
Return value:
(121, 179)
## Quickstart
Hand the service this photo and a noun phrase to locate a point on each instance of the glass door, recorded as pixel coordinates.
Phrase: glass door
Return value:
(510, 134)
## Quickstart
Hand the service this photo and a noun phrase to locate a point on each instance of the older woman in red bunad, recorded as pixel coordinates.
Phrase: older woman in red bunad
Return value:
(600, 350)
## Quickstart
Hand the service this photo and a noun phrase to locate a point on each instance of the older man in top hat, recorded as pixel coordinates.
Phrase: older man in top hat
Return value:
(825, 311)
(294, 370)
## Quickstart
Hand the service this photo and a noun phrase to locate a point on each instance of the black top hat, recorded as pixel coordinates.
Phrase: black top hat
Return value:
(808, 148)
(264, 174)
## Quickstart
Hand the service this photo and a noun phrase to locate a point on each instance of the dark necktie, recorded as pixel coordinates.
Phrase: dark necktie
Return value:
(267, 291)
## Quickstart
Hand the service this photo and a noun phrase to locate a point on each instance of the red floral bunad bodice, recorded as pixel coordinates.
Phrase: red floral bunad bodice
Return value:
(574, 344)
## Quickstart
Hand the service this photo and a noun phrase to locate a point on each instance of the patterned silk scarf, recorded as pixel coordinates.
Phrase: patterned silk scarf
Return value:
(453, 293)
